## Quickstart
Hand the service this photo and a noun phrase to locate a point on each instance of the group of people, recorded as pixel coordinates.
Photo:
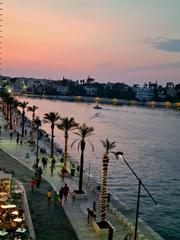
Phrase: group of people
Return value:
(36, 180)
(58, 196)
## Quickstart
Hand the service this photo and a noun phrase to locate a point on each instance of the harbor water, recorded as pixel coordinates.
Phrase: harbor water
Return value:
(149, 139)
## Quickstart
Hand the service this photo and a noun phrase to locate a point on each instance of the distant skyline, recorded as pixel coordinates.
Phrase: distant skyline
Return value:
(110, 40)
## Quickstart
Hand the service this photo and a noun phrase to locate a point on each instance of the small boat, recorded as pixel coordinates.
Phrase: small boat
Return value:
(97, 107)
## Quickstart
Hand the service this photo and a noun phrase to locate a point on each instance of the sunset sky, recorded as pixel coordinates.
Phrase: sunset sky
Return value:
(132, 41)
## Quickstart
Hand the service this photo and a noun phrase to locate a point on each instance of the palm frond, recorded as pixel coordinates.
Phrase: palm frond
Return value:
(108, 145)
(78, 146)
(72, 144)
(92, 146)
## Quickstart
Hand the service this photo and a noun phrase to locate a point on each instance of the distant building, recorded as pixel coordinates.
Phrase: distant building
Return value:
(63, 90)
(143, 93)
(170, 88)
(90, 90)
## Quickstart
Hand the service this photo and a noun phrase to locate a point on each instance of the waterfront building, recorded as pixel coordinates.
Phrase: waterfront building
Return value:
(144, 93)
(90, 90)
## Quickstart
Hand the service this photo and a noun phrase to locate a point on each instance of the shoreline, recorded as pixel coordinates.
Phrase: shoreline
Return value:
(113, 101)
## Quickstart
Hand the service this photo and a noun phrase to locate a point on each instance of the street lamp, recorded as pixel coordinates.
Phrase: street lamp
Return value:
(139, 191)
(37, 122)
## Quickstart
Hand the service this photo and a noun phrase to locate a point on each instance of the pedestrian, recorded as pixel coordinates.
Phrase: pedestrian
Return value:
(66, 190)
(36, 173)
(11, 134)
(39, 172)
(32, 183)
(49, 195)
(61, 193)
(56, 199)
(38, 182)
(25, 132)
(44, 162)
(27, 157)
(17, 138)
(52, 169)
(127, 237)
(21, 140)
(37, 162)
(91, 216)
(53, 162)
(63, 173)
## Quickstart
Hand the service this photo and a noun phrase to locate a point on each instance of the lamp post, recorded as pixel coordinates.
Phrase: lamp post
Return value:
(140, 183)
(37, 122)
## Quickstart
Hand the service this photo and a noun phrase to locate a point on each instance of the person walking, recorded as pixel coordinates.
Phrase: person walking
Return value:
(44, 162)
(61, 193)
(53, 162)
(63, 173)
(52, 169)
(56, 199)
(38, 182)
(66, 191)
(17, 138)
(127, 237)
(27, 157)
(40, 172)
(49, 195)
(32, 183)
(11, 134)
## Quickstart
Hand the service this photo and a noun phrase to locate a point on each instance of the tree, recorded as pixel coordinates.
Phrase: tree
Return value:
(15, 105)
(9, 101)
(52, 118)
(32, 109)
(67, 125)
(108, 146)
(23, 105)
(83, 133)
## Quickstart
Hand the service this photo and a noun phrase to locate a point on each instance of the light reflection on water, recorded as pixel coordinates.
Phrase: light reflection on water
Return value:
(150, 140)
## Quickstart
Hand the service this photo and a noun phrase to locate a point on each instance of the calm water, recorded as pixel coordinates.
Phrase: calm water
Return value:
(150, 140)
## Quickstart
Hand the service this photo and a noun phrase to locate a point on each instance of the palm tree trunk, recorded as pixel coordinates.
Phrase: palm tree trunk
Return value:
(15, 120)
(65, 151)
(81, 166)
(52, 141)
(23, 113)
(10, 117)
(32, 123)
(104, 188)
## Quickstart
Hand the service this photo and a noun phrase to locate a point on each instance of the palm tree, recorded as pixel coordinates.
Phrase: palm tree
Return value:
(83, 133)
(32, 109)
(108, 146)
(67, 125)
(9, 102)
(15, 105)
(52, 118)
(23, 105)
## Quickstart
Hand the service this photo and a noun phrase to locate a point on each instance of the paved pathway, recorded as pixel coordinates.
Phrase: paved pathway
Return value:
(49, 222)
(76, 210)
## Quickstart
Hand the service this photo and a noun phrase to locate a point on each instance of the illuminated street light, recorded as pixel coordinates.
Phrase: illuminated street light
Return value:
(139, 191)
(37, 122)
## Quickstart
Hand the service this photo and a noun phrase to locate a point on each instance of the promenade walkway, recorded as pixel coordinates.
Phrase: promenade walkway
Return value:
(51, 222)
